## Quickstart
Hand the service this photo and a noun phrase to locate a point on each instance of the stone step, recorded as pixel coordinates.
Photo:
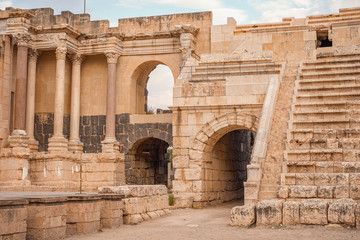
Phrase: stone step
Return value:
(335, 123)
(321, 179)
(332, 57)
(328, 105)
(324, 133)
(327, 75)
(320, 97)
(326, 114)
(322, 167)
(328, 88)
(329, 81)
(330, 67)
(318, 191)
(333, 62)
(339, 155)
(324, 143)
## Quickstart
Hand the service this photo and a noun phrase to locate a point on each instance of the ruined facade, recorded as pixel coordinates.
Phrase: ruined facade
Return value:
(259, 111)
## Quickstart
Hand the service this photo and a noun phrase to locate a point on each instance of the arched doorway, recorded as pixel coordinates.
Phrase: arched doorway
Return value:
(148, 162)
(226, 170)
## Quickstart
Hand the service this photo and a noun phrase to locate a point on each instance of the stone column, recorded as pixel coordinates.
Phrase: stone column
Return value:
(110, 144)
(75, 145)
(58, 142)
(30, 101)
(21, 78)
(18, 137)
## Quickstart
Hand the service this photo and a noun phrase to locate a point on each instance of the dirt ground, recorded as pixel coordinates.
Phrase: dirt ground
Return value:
(213, 223)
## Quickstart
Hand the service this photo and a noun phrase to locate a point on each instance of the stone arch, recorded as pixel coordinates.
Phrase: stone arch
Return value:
(140, 77)
(146, 131)
(212, 131)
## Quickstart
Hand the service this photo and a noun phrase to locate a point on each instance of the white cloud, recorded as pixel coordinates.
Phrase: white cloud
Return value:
(275, 10)
(5, 4)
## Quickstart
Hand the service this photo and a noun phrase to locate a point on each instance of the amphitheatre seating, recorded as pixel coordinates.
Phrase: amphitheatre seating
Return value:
(322, 153)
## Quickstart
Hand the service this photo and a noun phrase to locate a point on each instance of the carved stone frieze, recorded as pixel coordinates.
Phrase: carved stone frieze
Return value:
(112, 57)
(187, 42)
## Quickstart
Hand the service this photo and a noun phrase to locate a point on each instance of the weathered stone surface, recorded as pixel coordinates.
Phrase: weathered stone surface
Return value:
(269, 212)
(302, 191)
(313, 211)
(342, 211)
(243, 216)
(291, 213)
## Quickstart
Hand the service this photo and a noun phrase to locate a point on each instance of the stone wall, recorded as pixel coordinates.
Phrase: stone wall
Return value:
(142, 202)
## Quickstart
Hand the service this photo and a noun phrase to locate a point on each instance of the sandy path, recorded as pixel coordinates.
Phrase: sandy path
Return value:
(213, 223)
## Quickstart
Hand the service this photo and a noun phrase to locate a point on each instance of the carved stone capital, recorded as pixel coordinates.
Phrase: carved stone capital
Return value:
(112, 57)
(22, 39)
(61, 53)
(77, 59)
(33, 55)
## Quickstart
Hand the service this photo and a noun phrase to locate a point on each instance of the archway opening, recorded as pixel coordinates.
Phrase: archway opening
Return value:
(148, 163)
(227, 170)
(159, 90)
(154, 88)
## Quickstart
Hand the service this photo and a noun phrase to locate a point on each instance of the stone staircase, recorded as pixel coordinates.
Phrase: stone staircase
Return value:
(323, 140)
(217, 71)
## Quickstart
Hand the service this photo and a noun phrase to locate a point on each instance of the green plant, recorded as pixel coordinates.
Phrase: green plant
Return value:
(171, 200)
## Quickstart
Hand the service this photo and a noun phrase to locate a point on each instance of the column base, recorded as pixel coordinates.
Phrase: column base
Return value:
(58, 143)
(75, 146)
(34, 145)
(110, 146)
(19, 142)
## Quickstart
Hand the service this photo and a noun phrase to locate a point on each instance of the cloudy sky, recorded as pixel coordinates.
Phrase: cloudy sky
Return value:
(244, 11)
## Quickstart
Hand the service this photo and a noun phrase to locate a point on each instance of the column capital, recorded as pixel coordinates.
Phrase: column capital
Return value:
(22, 39)
(112, 57)
(33, 55)
(61, 53)
(77, 59)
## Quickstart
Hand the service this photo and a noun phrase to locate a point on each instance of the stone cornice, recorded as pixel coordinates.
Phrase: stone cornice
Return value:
(21, 13)
(58, 29)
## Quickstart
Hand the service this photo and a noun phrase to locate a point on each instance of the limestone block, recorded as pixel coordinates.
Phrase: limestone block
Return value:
(133, 219)
(355, 192)
(302, 191)
(135, 205)
(243, 216)
(325, 191)
(341, 192)
(183, 202)
(283, 192)
(342, 211)
(291, 213)
(313, 211)
(357, 216)
(269, 212)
